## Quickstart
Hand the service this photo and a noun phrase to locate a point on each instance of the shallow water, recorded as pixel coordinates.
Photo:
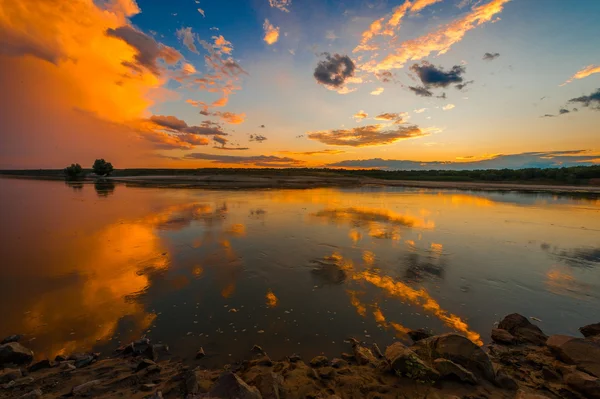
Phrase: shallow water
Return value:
(295, 271)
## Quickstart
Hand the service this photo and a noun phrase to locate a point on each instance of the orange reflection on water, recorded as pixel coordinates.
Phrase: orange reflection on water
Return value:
(355, 236)
(354, 301)
(563, 283)
(368, 257)
(363, 216)
(271, 299)
(420, 298)
(469, 200)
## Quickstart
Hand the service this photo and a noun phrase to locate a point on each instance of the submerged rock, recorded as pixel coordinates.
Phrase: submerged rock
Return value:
(458, 349)
(522, 329)
(406, 362)
(579, 351)
(200, 354)
(15, 353)
(501, 336)
(417, 335)
(591, 330)
(11, 338)
(229, 385)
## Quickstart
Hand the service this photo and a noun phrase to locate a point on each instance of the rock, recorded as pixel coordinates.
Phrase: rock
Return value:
(200, 354)
(326, 373)
(583, 353)
(144, 364)
(269, 385)
(78, 356)
(84, 361)
(258, 349)
(458, 349)
(36, 393)
(338, 363)
(22, 381)
(504, 381)
(295, 358)
(262, 361)
(347, 356)
(319, 361)
(584, 383)
(448, 368)
(364, 355)
(11, 338)
(377, 351)
(404, 361)
(148, 387)
(60, 358)
(229, 385)
(501, 336)
(191, 384)
(591, 330)
(523, 395)
(8, 375)
(68, 366)
(549, 374)
(157, 395)
(522, 329)
(85, 388)
(417, 335)
(42, 364)
(15, 353)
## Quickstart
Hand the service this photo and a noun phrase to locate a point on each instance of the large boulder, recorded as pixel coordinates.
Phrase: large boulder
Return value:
(449, 369)
(458, 349)
(8, 375)
(11, 338)
(15, 353)
(363, 355)
(584, 383)
(583, 353)
(229, 385)
(522, 329)
(591, 330)
(501, 336)
(406, 362)
(417, 335)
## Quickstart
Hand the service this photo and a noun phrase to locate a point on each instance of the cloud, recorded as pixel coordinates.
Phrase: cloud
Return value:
(222, 45)
(432, 76)
(281, 4)
(549, 159)
(463, 85)
(448, 107)
(231, 148)
(310, 153)
(438, 41)
(201, 11)
(334, 70)
(420, 110)
(270, 161)
(420, 91)
(397, 118)
(188, 38)
(364, 136)
(563, 111)
(490, 56)
(271, 33)
(227, 117)
(175, 125)
(360, 115)
(257, 137)
(330, 35)
(583, 73)
(262, 126)
(418, 5)
(148, 51)
(592, 100)
(220, 140)
(385, 76)
(377, 91)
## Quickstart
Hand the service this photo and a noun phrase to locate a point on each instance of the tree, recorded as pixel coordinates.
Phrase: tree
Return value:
(102, 168)
(73, 171)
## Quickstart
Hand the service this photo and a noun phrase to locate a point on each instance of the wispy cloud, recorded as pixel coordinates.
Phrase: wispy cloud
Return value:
(360, 115)
(448, 107)
(188, 38)
(377, 91)
(583, 73)
(271, 33)
(281, 4)
(271, 161)
(592, 100)
(311, 153)
(490, 56)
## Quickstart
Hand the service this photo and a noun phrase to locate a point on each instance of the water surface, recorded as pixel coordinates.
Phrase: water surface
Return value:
(295, 271)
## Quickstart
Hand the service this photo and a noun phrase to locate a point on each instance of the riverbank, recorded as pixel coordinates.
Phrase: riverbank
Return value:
(522, 362)
(242, 181)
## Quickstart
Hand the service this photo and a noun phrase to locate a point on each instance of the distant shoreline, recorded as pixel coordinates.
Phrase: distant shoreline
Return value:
(304, 181)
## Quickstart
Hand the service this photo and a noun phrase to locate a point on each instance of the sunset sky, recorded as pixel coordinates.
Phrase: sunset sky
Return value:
(300, 83)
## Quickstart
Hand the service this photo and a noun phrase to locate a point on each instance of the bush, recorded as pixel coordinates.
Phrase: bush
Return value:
(102, 168)
(73, 171)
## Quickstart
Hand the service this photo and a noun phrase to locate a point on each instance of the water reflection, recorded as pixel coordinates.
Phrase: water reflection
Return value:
(74, 184)
(104, 187)
(584, 257)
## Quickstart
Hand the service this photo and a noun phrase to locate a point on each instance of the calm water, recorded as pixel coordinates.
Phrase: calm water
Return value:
(291, 270)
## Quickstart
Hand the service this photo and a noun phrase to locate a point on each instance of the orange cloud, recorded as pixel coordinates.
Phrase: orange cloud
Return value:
(583, 73)
(320, 152)
(377, 91)
(271, 33)
(364, 136)
(360, 115)
(439, 41)
(418, 5)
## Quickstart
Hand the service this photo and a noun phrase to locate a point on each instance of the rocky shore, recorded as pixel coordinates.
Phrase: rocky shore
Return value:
(521, 362)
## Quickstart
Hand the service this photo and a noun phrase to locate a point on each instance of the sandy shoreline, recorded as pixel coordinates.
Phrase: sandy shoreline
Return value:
(520, 363)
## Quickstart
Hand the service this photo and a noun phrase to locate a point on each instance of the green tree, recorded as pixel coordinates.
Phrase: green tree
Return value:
(73, 171)
(102, 168)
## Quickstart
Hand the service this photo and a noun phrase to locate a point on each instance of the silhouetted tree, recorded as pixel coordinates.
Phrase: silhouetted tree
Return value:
(73, 171)
(102, 168)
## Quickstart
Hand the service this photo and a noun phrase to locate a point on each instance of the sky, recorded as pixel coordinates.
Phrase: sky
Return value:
(395, 84)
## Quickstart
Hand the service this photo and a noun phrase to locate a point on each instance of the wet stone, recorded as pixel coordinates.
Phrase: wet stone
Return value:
(319, 361)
